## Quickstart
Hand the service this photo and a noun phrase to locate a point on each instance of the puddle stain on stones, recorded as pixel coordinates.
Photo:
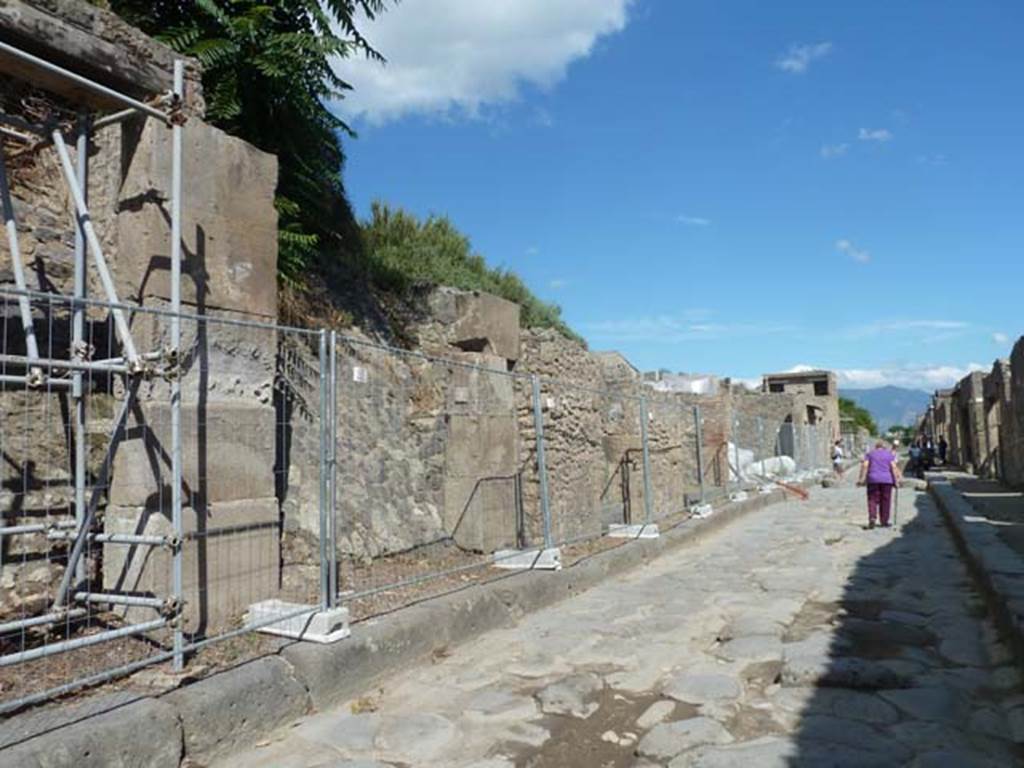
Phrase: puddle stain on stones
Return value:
(607, 738)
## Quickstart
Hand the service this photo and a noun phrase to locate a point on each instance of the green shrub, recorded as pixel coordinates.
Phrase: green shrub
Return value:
(401, 253)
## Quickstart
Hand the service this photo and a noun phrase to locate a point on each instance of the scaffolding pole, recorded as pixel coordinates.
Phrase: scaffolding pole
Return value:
(102, 482)
(93, 241)
(84, 82)
(78, 336)
(176, 522)
(31, 345)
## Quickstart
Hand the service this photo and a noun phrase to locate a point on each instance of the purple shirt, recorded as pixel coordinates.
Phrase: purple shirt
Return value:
(880, 463)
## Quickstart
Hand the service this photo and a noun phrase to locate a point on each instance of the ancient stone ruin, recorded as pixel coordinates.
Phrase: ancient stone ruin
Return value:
(435, 447)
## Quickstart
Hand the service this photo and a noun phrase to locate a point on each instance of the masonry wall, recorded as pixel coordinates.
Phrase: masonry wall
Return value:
(229, 273)
(1012, 424)
(996, 393)
(969, 431)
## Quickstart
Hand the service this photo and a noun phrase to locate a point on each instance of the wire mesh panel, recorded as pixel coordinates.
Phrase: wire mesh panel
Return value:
(430, 473)
(672, 448)
(595, 460)
(99, 574)
(63, 415)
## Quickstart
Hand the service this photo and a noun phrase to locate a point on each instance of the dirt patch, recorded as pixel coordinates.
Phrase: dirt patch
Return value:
(576, 743)
(752, 722)
(811, 617)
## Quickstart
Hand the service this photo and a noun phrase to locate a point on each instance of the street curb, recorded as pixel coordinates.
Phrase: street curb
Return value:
(211, 717)
(996, 568)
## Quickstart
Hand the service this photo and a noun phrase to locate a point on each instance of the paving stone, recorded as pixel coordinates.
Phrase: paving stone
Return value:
(569, 696)
(493, 705)
(752, 648)
(963, 646)
(840, 672)
(904, 617)
(854, 705)
(698, 687)
(666, 740)
(763, 753)
(422, 735)
(654, 714)
(351, 734)
(954, 758)
(990, 722)
(851, 734)
(1015, 723)
(930, 704)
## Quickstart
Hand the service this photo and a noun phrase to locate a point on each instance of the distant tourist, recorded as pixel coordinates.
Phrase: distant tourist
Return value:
(880, 472)
(943, 447)
(837, 457)
(915, 466)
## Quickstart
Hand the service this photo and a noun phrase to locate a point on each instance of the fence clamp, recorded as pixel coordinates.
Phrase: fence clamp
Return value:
(176, 114)
(81, 350)
(35, 378)
(172, 609)
(172, 542)
(171, 370)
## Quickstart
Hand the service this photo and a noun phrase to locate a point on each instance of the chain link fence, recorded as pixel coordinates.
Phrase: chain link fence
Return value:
(316, 470)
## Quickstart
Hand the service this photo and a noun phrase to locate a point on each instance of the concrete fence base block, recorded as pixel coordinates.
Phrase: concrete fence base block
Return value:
(313, 625)
(700, 511)
(619, 531)
(738, 496)
(536, 559)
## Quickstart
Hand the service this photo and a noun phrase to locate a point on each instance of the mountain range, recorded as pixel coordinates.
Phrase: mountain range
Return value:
(890, 405)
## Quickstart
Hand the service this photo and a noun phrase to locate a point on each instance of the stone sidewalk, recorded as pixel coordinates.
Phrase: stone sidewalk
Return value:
(987, 521)
(792, 638)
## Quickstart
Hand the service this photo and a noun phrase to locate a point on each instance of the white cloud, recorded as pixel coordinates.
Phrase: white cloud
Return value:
(847, 248)
(557, 283)
(1000, 338)
(799, 57)
(880, 135)
(693, 221)
(829, 151)
(532, 250)
(691, 325)
(918, 330)
(452, 57)
(937, 160)
(922, 376)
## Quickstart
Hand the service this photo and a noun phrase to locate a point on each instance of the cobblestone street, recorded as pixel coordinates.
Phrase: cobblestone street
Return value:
(793, 637)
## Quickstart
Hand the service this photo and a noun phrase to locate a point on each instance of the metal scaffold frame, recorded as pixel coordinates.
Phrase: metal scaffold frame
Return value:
(71, 600)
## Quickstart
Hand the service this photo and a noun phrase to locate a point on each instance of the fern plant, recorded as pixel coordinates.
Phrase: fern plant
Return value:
(267, 78)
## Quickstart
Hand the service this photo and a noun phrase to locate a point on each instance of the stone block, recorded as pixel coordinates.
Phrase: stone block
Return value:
(229, 229)
(220, 360)
(477, 321)
(479, 489)
(231, 559)
(144, 732)
(228, 454)
(228, 712)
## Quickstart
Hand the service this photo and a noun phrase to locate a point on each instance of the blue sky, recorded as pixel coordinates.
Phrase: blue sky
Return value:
(721, 186)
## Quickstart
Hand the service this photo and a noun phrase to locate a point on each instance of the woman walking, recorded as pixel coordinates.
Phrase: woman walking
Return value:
(837, 458)
(881, 473)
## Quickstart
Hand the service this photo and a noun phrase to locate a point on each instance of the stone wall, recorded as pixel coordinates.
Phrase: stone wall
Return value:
(967, 444)
(229, 421)
(1011, 434)
(436, 448)
(996, 393)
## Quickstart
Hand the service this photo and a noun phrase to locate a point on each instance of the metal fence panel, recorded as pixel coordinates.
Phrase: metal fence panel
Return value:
(435, 473)
(89, 531)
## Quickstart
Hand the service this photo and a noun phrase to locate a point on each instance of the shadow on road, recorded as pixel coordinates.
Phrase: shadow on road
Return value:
(905, 669)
